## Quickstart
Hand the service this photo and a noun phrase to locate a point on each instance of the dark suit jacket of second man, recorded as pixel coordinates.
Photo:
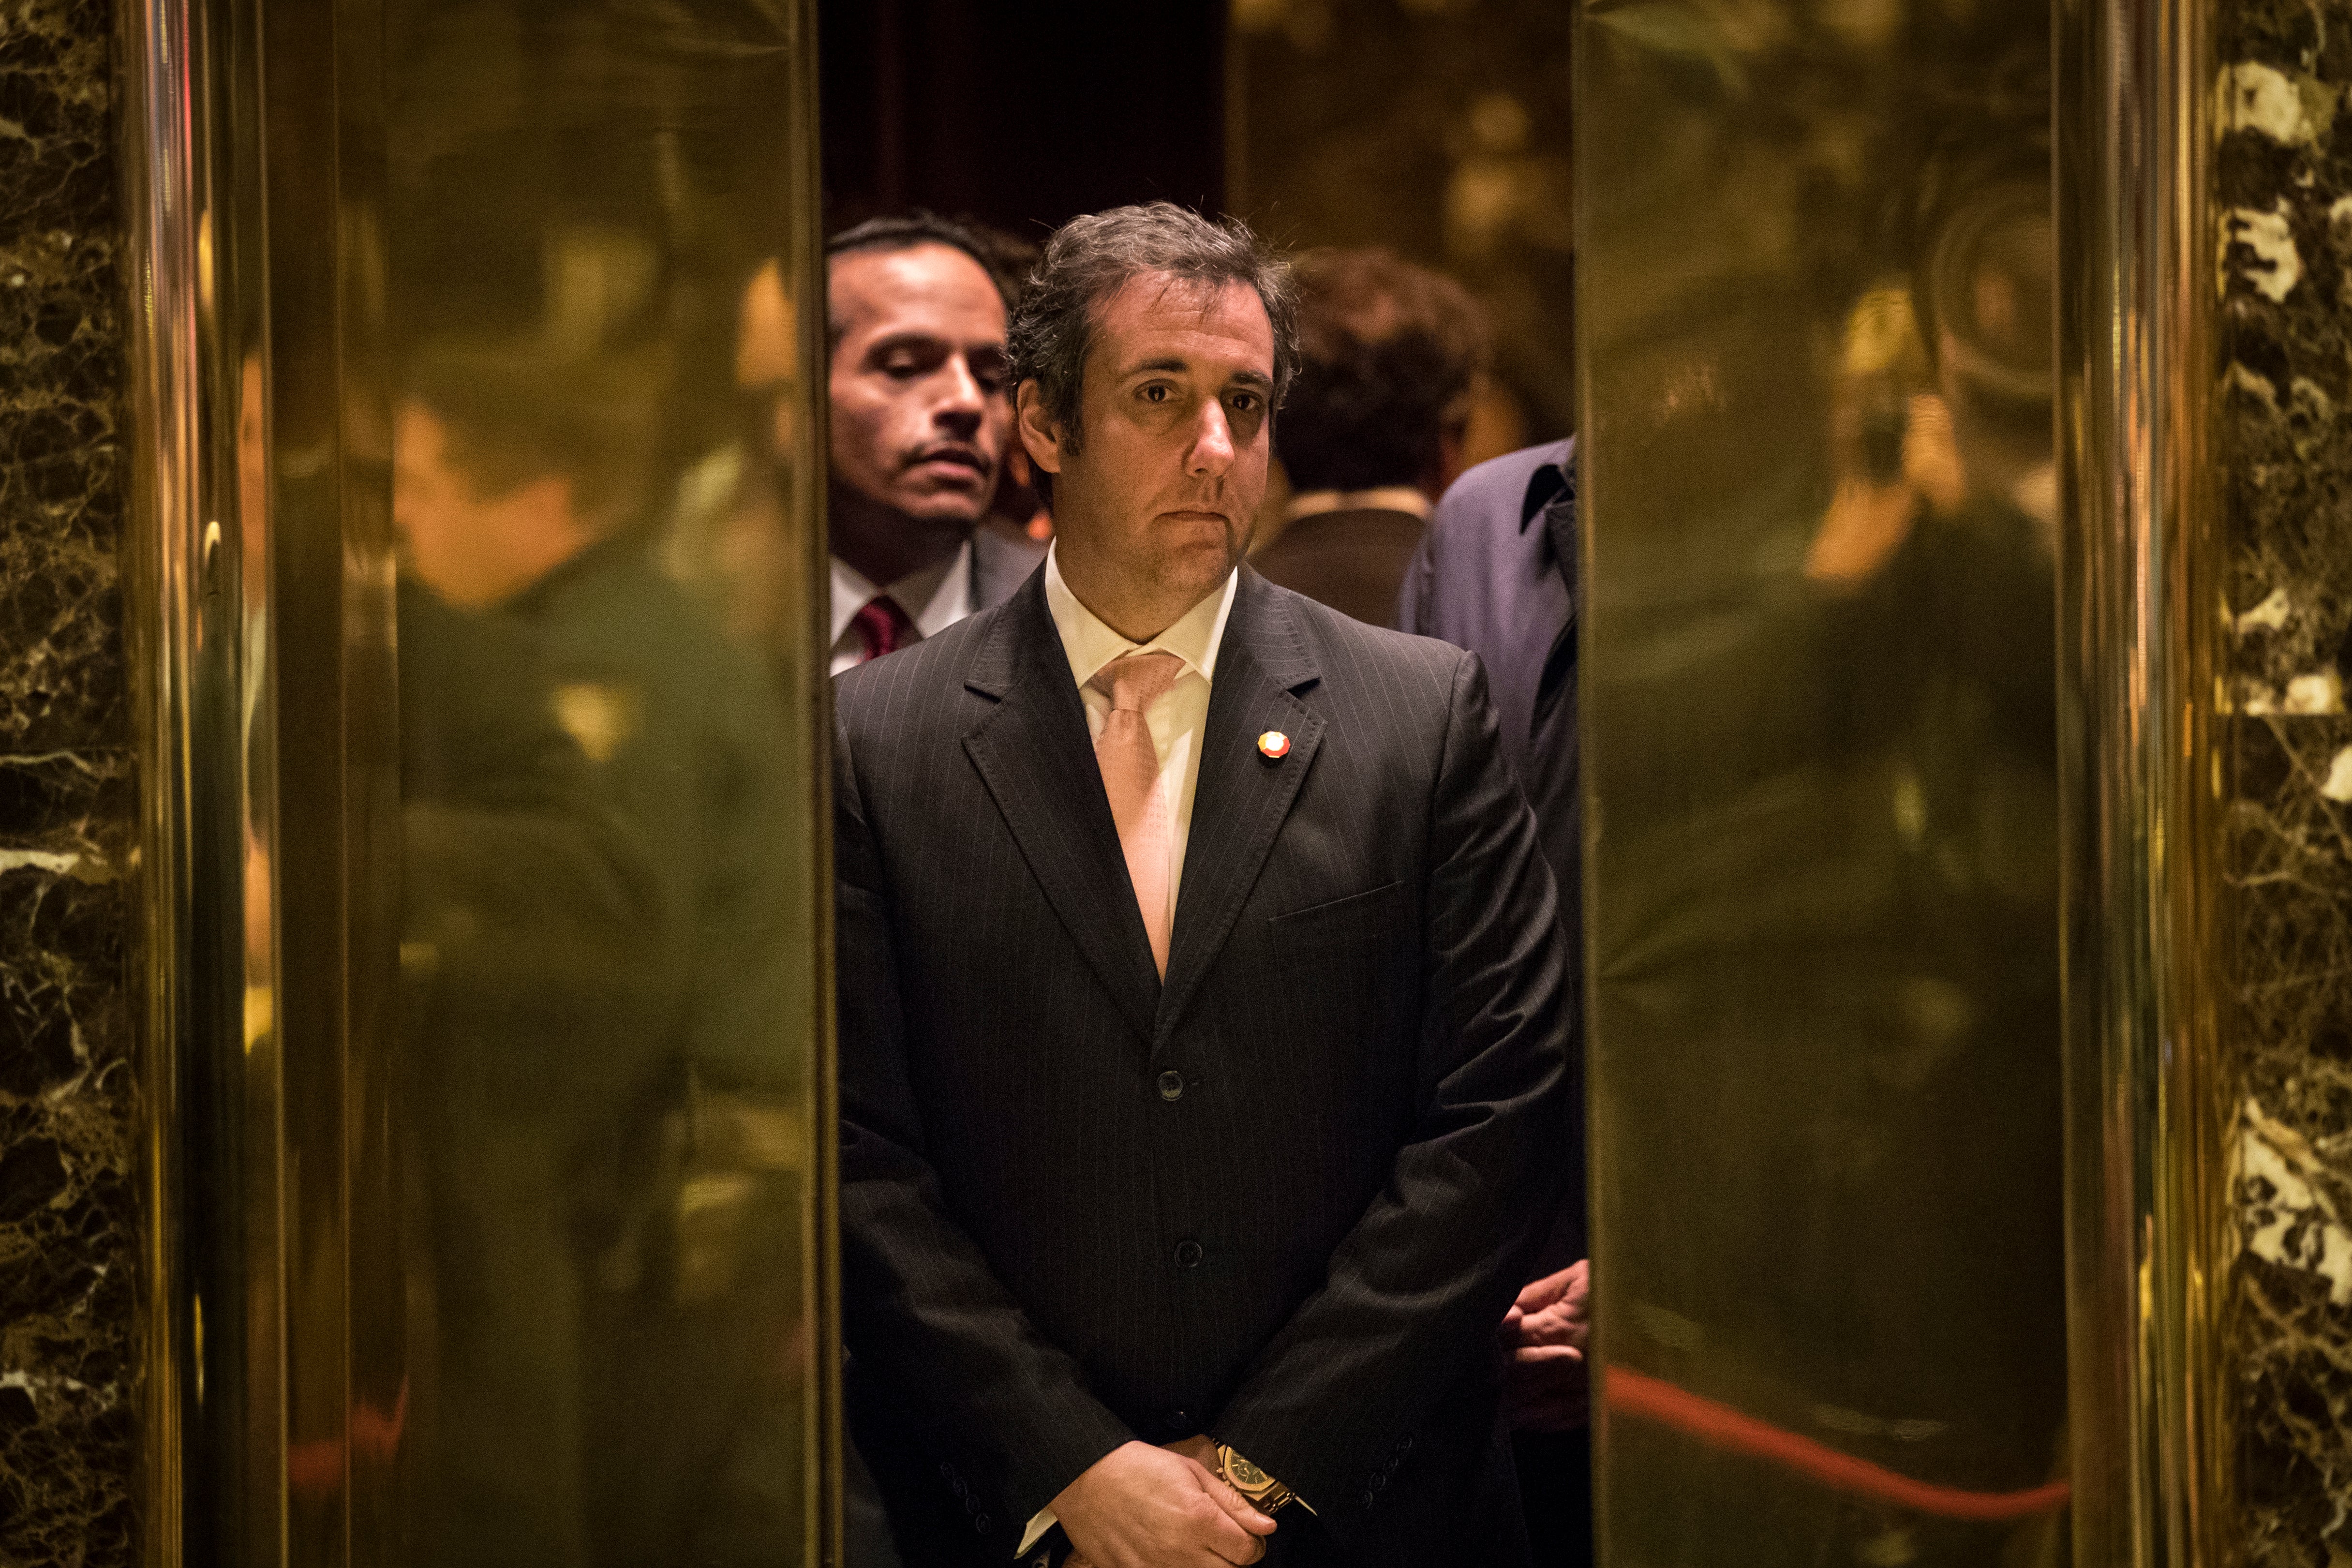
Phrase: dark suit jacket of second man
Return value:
(1282, 1198)
(1496, 574)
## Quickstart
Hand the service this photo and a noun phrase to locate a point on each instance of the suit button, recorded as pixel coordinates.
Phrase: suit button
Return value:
(1181, 1426)
(1172, 1085)
(980, 1524)
(1188, 1254)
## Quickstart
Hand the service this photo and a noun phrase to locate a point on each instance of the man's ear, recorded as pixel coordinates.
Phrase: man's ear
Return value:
(1041, 437)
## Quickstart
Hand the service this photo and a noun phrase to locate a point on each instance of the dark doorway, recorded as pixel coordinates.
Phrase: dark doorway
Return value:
(1021, 114)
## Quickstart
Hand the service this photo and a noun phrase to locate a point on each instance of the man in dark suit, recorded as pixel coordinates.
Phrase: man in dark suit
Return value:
(1202, 1001)
(915, 319)
(1496, 575)
(1372, 432)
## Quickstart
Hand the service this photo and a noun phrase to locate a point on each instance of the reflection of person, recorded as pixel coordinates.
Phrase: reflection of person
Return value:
(1371, 431)
(1497, 575)
(518, 486)
(523, 904)
(920, 416)
(1203, 1000)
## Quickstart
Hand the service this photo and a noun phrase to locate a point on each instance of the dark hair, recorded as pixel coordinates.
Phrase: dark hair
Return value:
(992, 251)
(1089, 258)
(518, 412)
(1388, 353)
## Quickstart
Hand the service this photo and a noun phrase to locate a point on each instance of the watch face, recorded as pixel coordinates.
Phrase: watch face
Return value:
(1241, 1473)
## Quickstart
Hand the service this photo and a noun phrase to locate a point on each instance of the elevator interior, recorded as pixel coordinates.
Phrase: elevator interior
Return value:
(489, 980)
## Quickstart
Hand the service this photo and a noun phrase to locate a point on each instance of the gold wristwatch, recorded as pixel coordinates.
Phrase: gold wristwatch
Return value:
(1265, 1494)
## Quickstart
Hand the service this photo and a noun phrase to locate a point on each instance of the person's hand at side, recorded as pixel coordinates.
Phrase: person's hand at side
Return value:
(1546, 1331)
(1141, 1507)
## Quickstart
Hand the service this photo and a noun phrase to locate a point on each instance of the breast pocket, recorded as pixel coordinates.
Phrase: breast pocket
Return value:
(1338, 922)
(1332, 1003)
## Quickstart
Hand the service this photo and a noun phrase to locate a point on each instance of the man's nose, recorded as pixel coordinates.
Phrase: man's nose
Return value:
(1212, 443)
(963, 402)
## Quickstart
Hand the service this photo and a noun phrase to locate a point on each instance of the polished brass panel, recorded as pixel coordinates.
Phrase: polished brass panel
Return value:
(1814, 267)
(602, 1313)
(165, 568)
(2138, 618)
(335, 964)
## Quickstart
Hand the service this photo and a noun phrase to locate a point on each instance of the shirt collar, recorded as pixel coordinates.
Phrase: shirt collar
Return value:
(934, 598)
(1546, 483)
(1091, 643)
(1405, 499)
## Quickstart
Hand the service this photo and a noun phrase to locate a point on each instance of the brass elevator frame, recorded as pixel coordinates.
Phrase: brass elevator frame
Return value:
(258, 573)
(2138, 615)
(252, 149)
(260, 486)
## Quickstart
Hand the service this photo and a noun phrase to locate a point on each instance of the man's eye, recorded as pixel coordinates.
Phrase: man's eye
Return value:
(1245, 402)
(1157, 392)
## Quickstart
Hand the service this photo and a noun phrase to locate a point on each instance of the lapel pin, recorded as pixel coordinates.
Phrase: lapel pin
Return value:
(1274, 745)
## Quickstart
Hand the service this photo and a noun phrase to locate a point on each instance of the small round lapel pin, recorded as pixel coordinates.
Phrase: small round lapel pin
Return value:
(1274, 745)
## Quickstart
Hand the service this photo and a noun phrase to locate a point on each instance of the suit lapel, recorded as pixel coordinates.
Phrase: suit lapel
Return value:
(1536, 632)
(1241, 798)
(1033, 752)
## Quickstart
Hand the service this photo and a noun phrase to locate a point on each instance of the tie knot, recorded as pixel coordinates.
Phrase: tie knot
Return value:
(1137, 681)
(882, 625)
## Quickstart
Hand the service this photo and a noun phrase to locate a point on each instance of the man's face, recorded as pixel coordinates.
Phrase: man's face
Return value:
(473, 550)
(1165, 481)
(919, 413)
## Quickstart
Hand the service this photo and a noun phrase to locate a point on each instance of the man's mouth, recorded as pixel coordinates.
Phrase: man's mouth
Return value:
(951, 460)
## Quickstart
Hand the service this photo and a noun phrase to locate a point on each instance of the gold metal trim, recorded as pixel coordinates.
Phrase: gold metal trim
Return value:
(163, 563)
(2137, 572)
(826, 1542)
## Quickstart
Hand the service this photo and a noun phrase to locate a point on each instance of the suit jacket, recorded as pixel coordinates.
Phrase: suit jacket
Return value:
(1284, 1197)
(1353, 561)
(1000, 563)
(1495, 573)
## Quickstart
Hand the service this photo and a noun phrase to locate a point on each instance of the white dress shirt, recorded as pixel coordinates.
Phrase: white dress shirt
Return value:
(1176, 722)
(1178, 718)
(934, 598)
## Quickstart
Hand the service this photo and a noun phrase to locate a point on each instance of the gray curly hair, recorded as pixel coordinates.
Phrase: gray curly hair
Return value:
(1089, 258)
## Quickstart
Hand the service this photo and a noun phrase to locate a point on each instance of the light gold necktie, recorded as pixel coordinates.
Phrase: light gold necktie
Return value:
(1130, 773)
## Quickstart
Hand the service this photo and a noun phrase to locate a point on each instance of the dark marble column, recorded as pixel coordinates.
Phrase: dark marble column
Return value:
(70, 1220)
(2284, 456)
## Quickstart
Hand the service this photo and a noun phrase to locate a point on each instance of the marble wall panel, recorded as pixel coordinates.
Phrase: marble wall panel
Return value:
(2284, 454)
(69, 1221)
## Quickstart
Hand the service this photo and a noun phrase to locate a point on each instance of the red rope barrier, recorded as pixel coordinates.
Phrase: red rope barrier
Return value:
(1721, 1426)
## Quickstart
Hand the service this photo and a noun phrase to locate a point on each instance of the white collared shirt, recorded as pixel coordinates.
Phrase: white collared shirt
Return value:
(1177, 721)
(934, 598)
(1178, 717)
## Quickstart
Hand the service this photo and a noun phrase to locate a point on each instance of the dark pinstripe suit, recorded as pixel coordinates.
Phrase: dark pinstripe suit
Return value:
(1284, 1198)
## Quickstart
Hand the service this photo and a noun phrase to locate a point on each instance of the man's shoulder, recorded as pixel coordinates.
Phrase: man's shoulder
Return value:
(1495, 489)
(938, 664)
(1345, 646)
(1000, 563)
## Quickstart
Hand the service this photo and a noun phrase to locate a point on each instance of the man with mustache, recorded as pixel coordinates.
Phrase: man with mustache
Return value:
(916, 318)
(1203, 1001)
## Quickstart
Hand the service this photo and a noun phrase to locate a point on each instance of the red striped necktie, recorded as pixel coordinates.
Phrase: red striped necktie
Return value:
(884, 625)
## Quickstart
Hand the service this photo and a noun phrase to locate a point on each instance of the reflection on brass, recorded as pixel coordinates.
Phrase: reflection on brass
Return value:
(611, 1120)
(1818, 601)
(2139, 586)
(391, 874)
(167, 574)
